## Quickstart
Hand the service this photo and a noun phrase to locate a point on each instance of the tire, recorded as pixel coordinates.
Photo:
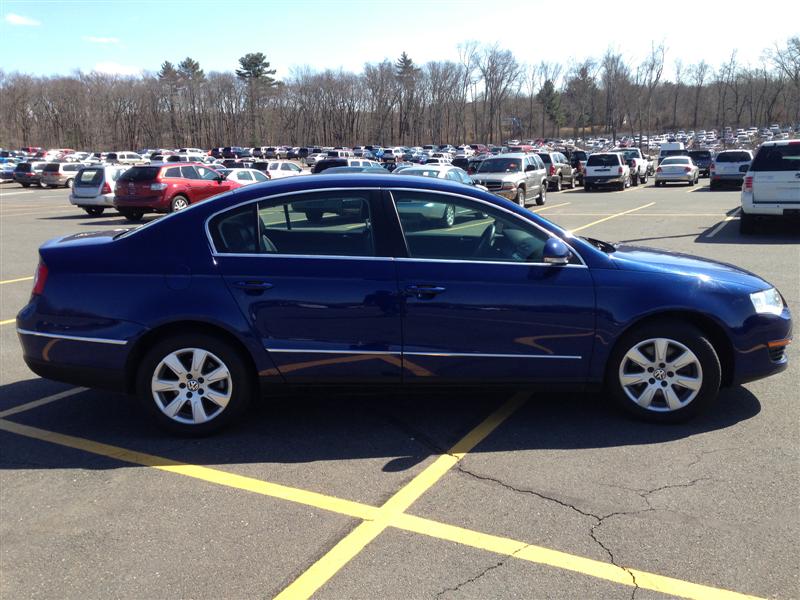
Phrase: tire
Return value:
(68, 184)
(314, 216)
(191, 405)
(94, 211)
(635, 179)
(572, 182)
(645, 178)
(747, 223)
(521, 197)
(559, 184)
(25, 185)
(449, 217)
(51, 187)
(133, 215)
(621, 186)
(542, 197)
(587, 187)
(712, 186)
(179, 202)
(639, 384)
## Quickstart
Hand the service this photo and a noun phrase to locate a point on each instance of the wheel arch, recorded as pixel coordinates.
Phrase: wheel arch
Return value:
(710, 327)
(152, 337)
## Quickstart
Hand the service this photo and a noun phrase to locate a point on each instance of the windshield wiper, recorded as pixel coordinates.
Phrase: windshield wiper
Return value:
(607, 247)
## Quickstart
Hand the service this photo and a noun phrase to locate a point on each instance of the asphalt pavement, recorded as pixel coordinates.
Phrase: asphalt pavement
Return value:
(464, 494)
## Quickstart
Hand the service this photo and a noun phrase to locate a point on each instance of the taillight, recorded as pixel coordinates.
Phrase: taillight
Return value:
(158, 187)
(712, 166)
(658, 170)
(552, 170)
(39, 279)
(106, 188)
(687, 169)
(748, 184)
(619, 170)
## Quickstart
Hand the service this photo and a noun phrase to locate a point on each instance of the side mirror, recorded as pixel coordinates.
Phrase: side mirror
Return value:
(556, 252)
(219, 179)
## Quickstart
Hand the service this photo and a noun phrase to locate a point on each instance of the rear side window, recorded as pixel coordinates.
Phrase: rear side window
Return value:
(733, 157)
(777, 158)
(51, 168)
(89, 178)
(23, 167)
(603, 160)
(140, 174)
(173, 172)
(545, 158)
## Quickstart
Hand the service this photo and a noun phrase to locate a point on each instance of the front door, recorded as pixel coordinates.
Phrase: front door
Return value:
(479, 304)
(304, 271)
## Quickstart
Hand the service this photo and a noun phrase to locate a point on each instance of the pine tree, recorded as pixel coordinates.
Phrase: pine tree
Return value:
(255, 72)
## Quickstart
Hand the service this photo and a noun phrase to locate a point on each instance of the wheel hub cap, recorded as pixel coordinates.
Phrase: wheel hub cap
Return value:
(193, 385)
(660, 374)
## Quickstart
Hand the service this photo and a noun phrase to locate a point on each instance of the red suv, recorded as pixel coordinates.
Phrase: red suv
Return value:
(166, 188)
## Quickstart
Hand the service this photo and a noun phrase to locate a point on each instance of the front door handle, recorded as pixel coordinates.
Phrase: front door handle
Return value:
(253, 285)
(424, 292)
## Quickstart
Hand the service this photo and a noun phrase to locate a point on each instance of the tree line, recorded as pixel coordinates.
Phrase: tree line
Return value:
(486, 95)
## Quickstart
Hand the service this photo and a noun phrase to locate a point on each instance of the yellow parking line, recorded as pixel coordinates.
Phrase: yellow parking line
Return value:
(41, 402)
(614, 216)
(538, 210)
(380, 517)
(327, 566)
(17, 280)
(7, 322)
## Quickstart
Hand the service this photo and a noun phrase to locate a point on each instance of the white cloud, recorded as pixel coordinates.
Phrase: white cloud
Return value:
(112, 68)
(20, 20)
(100, 40)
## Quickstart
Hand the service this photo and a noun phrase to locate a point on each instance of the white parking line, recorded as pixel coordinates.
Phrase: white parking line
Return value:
(724, 222)
(4, 194)
(36, 403)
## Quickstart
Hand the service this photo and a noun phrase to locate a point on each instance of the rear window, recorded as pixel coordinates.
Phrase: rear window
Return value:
(700, 154)
(51, 168)
(579, 155)
(140, 174)
(603, 160)
(733, 157)
(777, 158)
(89, 178)
(545, 158)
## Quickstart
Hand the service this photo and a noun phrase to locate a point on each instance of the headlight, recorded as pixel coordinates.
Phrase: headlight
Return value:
(507, 185)
(767, 302)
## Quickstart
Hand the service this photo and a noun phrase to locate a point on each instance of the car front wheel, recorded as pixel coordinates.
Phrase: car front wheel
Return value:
(664, 371)
(542, 197)
(193, 384)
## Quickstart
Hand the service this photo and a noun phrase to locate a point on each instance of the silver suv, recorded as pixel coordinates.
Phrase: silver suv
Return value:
(517, 176)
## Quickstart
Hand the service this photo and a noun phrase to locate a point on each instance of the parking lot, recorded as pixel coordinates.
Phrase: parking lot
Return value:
(465, 494)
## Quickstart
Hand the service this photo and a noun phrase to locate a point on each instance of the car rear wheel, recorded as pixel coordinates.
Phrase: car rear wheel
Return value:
(68, 183)
(94, 211)
(132, 215)
(558, 184)
(193, 384)
(449, 217)
(542, 197)
(665, 371)
(25, 185)
(572, 182)
(179, 203)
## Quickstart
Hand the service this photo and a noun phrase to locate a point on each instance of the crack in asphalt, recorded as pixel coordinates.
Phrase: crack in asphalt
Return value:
(497, 565)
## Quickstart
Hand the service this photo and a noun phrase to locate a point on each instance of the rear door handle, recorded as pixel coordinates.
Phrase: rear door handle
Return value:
(424, 292)
(253, 285)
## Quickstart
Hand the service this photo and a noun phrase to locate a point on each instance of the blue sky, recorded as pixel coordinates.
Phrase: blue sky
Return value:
(124, 36)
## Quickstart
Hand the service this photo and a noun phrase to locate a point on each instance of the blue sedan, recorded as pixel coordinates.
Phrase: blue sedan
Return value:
(201, 311)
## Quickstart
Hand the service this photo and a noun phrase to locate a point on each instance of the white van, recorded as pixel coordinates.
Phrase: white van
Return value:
(772, 184)
(672, 149)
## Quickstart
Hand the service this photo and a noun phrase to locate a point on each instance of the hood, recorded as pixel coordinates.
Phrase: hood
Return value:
(636, 258)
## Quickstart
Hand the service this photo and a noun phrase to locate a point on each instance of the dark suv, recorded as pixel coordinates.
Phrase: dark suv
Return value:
(702, 158)
(29, 173)
(164, 188)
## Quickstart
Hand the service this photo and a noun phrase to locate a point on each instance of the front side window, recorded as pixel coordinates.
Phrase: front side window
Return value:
(207, 174)
(244, 176)
(259, 176)
(311, 224)
(446, 227)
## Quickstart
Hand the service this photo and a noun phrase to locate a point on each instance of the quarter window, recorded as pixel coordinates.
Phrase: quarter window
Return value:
(454, 228)
(173, 172)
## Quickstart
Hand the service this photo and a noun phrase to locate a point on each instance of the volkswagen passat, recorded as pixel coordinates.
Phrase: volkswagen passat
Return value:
(198, 312)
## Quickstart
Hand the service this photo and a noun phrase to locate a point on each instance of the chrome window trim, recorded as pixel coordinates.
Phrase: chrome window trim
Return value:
(74, 338)
(431, 354)
(505, 210)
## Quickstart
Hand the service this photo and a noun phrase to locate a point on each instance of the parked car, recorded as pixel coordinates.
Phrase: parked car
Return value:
(326, 163)
(278, 169)
(729, 167)
(93, 188)
(125, 158)
(516, 176)
(198, 312)
(448, 172)
(57, 174)
(578, 160)
(165, 188)
(702, 158)
(638, 164)
(606, 169)
(559, 170)
(245, 176)
(677, 169)
(772, 184)
(29, 173)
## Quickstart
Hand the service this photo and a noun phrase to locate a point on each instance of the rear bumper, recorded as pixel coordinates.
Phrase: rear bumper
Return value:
(728, 178)
(683, 177)
(775, 209)
(106, 200)
(49, 180)
(595, 180)
(151, 203)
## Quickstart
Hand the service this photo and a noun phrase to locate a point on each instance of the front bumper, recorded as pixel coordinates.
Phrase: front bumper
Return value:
(755, 354)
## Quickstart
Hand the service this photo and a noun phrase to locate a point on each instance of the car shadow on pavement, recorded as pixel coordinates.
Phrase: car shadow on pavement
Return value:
(768, 231)
(403, 427)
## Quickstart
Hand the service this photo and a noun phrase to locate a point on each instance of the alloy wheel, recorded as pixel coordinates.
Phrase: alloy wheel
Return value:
(660, 375)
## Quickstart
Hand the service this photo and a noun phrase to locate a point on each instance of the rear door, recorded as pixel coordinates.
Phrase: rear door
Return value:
(319, 295)
(776, 175)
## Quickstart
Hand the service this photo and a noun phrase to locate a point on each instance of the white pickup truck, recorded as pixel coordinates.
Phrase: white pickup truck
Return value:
(638, 164)
(606, 168)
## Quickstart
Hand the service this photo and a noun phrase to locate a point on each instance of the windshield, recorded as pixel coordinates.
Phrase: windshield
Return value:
(500, 165)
